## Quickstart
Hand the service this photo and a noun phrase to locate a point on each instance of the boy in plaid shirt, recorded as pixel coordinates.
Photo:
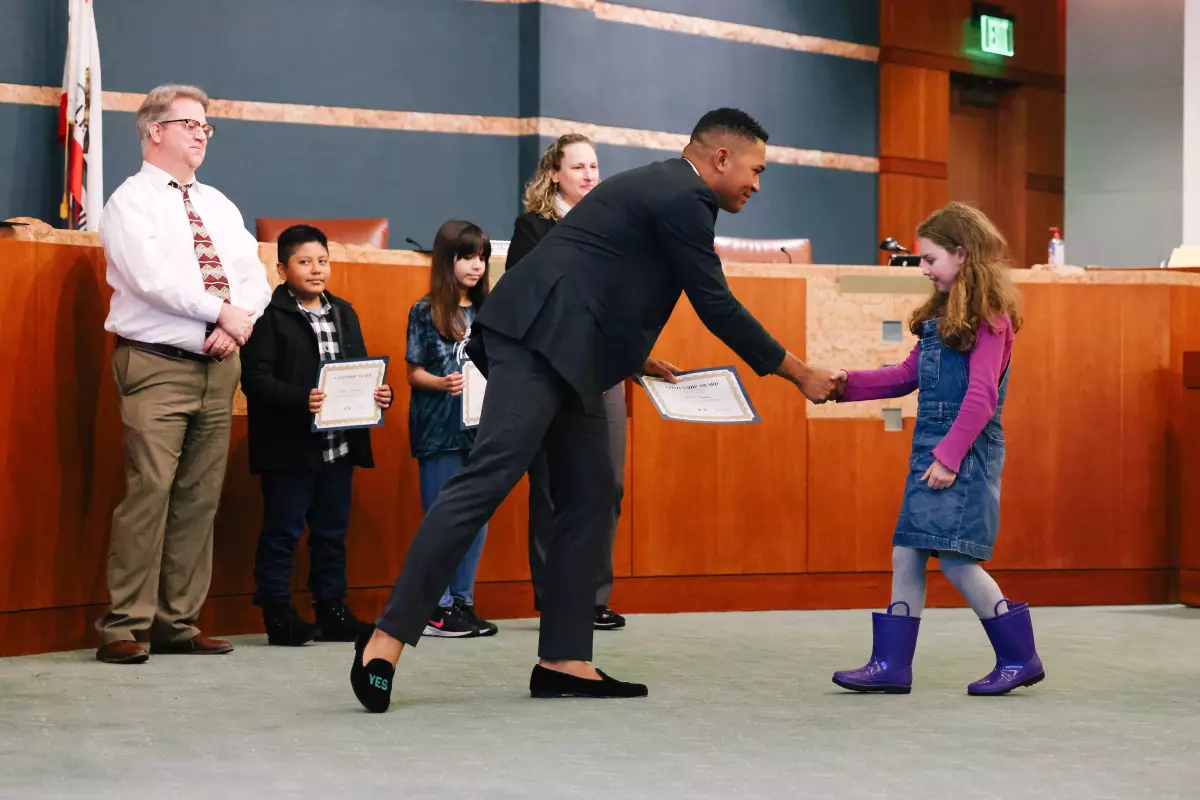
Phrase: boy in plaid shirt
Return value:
(305, 476)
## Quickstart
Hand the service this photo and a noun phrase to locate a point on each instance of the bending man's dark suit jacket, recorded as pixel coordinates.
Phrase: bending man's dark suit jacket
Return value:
(595, 293)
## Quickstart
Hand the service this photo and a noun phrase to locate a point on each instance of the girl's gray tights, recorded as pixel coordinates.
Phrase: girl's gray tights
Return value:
(968, 577)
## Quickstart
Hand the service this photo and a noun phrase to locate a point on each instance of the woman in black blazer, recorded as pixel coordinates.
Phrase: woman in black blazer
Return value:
(566, 172)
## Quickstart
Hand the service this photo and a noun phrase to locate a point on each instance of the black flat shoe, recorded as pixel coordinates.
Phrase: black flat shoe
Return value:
(545, 683)
(372, 683)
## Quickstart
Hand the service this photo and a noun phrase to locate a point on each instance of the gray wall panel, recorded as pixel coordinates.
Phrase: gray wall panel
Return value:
(844, 20)
(644, 78)
(447, 56)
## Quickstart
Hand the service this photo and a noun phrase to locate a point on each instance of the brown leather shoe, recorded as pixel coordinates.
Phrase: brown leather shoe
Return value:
(198, 645)
(124, 651)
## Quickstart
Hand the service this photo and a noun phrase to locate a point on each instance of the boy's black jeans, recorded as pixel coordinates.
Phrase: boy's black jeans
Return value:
(290, 499)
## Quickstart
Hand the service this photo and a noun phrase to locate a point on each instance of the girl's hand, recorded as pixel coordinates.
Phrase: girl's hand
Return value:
(316, 399)
(839, 388)
(939, 476)
(383, 396)
(453, 383)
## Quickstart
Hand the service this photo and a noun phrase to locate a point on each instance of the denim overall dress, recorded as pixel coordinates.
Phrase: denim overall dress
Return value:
(965, 517)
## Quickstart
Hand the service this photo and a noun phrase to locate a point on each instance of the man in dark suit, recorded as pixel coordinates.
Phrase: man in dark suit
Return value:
(582, 314)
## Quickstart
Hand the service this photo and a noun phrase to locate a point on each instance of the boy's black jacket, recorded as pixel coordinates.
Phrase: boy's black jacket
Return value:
(280, 365)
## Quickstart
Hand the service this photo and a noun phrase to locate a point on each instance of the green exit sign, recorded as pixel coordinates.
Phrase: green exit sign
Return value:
(996, 35)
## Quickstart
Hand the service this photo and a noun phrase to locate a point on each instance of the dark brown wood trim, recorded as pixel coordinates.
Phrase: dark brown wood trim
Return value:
(1191, 369)
(1189, 587)
(1043, 183)
(912, 166)
(890, 54)
(71, 628)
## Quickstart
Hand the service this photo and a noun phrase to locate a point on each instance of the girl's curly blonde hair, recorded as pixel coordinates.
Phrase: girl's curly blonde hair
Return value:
(983, 291)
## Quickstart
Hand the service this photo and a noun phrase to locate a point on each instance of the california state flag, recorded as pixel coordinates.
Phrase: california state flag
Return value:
(79, 122)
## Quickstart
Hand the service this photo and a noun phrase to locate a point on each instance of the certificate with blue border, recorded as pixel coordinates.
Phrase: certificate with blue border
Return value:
(349, 386)
(714, 395)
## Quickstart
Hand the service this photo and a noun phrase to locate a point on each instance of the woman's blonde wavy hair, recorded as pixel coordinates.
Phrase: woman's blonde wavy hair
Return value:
(983, 291)
(540, 192)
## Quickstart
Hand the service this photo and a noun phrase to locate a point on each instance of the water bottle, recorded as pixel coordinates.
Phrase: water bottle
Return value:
(1057, 257)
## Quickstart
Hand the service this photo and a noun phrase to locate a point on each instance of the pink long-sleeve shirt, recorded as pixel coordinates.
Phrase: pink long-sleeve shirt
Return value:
(986, 363)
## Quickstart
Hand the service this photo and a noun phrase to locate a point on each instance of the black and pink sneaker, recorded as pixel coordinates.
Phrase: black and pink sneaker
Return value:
(449, 623)
(484, 627)
(607, 619)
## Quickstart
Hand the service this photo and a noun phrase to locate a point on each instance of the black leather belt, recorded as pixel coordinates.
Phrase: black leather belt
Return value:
(166, 350)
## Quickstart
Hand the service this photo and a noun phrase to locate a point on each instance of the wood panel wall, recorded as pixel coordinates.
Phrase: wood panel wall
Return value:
(925, 42)
(1183, 447)
(700, 506)
(1099, 502)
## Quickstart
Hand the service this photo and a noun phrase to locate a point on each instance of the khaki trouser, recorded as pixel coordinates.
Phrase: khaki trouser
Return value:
(176, 415)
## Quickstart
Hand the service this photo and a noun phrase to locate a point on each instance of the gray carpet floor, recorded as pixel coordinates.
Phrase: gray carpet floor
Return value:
(740, 705)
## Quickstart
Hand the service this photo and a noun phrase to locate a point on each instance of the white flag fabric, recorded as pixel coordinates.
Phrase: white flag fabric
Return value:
(79, 124)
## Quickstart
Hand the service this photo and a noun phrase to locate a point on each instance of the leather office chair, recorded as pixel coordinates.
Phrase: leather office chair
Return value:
(764, 251)
(368, 232)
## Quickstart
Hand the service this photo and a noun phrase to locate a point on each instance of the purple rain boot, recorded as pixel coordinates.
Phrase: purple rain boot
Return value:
(890, 668)
(1017, 662)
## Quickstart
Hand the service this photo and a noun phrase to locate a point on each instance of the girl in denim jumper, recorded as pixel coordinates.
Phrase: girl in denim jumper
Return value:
(951, 504)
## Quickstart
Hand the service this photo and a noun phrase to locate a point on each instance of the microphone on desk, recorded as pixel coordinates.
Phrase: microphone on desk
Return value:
(784, 250)
(900, 256)
(414, 243)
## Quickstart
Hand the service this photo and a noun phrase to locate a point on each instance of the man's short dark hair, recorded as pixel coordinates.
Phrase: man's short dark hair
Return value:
(296, 236)
(729, 121)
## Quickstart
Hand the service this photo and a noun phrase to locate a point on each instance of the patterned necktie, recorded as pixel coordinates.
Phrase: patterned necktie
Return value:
(211, 271)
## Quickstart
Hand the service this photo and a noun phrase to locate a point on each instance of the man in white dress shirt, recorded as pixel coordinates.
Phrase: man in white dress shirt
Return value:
(187, 288)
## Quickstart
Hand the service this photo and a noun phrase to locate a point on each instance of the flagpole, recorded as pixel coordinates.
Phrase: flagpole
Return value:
(64, 208)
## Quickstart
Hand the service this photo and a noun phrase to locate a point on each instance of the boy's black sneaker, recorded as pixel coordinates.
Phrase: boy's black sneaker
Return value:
(449, 623)
(285, 626)
(337, 622)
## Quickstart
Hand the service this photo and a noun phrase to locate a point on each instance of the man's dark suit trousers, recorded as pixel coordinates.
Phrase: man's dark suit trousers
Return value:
(528, 406)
